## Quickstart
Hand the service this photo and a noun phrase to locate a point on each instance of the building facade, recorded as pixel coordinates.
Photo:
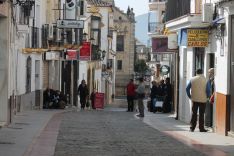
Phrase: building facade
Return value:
(124, 24)
(211, 24)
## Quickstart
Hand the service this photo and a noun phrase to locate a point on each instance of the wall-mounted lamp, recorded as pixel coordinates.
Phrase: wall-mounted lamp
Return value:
(103, 54)
(85, 36)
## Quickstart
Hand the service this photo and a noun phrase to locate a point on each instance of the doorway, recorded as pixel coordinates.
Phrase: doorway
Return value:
(232, 78)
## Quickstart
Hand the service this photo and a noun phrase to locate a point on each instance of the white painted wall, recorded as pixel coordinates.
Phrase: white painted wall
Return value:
(83, 67)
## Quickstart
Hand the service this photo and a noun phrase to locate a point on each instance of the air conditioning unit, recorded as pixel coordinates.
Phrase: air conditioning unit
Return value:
(51, 32)
(207, 12)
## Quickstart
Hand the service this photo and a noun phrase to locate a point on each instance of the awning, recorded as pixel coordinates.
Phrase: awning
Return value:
(220, 20)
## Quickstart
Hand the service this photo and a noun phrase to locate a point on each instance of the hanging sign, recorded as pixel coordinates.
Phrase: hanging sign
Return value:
(71, 54)
(197, 37)
(85, 52)
(99, 100)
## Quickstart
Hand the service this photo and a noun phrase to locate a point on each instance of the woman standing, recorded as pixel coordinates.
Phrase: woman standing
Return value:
(83, 91)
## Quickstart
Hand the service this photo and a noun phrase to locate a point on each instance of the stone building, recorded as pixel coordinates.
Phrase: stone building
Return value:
(124, 24)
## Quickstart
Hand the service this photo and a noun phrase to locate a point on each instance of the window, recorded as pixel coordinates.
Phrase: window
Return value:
(120, 43)
(28, 74)
(95, 30)
(119, 65)
(81, 7)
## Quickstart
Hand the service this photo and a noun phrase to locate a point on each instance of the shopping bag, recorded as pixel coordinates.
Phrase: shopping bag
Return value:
(158, 103)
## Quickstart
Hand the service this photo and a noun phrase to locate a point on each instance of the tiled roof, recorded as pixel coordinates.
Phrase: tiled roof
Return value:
(98, 3)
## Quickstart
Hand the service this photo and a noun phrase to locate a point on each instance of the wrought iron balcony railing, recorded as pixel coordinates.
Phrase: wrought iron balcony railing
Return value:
(177, 8)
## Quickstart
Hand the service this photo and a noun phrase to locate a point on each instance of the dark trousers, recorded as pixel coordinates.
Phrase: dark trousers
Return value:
(82, 102)
(130, 100)
(202, 108)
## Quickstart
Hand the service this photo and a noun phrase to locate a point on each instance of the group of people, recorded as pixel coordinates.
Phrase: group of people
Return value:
(157, 91)
(199, 90)
(162, 92)
(54, 99)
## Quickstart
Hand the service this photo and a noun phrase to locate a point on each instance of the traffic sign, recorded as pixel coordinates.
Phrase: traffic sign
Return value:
(75, 24)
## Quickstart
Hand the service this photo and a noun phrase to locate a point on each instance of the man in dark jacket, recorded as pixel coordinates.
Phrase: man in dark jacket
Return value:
(83, 91)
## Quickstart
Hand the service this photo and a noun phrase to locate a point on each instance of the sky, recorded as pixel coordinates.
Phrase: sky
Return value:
(139, 6)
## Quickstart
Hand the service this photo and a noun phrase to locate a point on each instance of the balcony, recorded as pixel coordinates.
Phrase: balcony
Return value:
(179, 8)
(157, 4)
(184, 14)
(155, 28)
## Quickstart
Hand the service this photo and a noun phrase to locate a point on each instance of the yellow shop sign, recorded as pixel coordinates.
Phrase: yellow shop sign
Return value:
(197, 37)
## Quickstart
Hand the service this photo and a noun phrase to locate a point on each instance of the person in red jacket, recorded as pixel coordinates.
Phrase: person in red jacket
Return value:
(130, 95)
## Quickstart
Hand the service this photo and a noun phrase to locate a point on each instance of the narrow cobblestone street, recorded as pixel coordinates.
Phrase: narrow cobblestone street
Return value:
(114, 132)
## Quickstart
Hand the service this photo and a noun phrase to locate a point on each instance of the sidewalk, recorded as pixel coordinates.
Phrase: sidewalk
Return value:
(17, 138)
(210, 143)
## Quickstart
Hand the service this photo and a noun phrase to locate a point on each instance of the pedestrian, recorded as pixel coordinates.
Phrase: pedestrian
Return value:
(92, 98)
(209, 105)
(153, 94)
(198, 90)
(140, 96)
(130, 95)
(83, 92)
(168, 96)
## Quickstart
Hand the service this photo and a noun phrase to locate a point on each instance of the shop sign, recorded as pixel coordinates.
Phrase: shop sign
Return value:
(85, 52)
(51, 55)
(75, 24)
(99, 100)
(197, 37)
(71, 54)
(159, 45)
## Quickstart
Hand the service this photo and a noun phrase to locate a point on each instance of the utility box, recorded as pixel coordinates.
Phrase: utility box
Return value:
(207, 12)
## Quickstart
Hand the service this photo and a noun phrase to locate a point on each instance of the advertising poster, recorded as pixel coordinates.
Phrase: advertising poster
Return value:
(99, 100)
(85, 52)
(71, 54)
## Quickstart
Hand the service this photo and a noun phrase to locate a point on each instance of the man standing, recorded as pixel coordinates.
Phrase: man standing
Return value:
(141, 95)
(83, 92)
(200, 91)
(130, 95)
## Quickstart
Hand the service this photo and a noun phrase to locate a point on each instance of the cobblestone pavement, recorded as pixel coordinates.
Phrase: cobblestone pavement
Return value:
(114, 133)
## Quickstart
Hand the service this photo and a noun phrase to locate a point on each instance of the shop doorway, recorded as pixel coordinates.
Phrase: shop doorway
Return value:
(199, 59)
(69, 81)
